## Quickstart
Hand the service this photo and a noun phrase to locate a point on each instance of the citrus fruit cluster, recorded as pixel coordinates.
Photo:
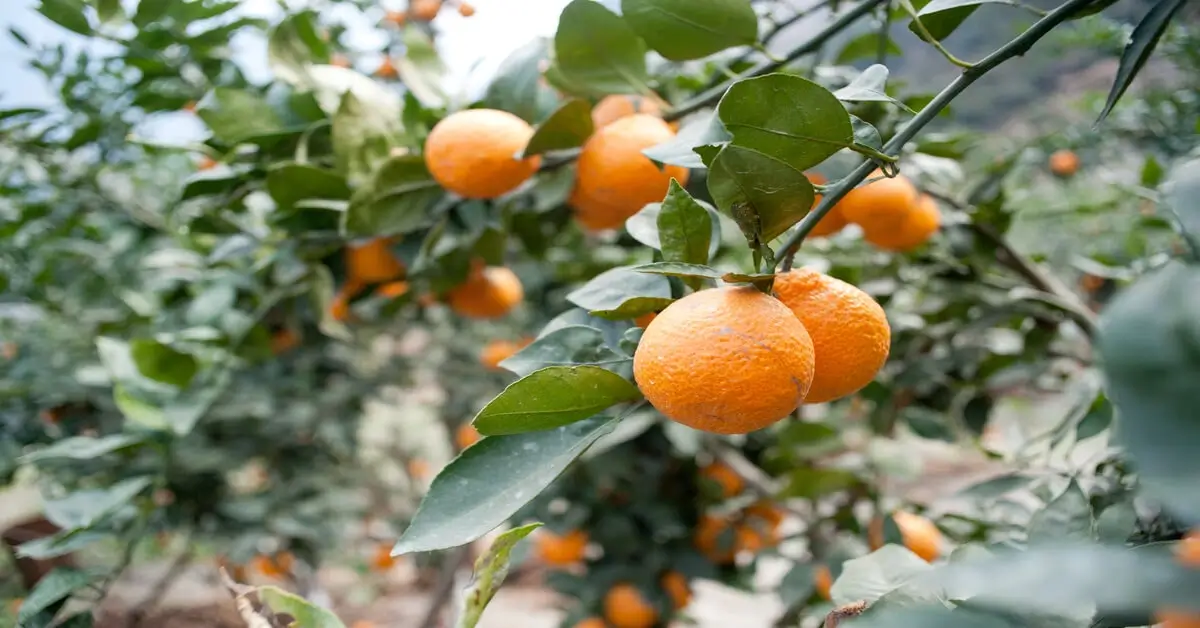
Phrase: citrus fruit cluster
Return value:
(893, 214)
(732, 360)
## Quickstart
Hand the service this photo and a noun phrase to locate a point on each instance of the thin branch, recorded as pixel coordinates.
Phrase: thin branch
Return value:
(444, 587)
(178, 566)
(884, 34)
(928, 37)
(1017, 47)
(768, 37)
(710, 96)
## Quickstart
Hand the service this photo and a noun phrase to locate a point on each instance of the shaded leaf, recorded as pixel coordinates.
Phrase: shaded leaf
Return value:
(866, 46)
(56, 586)
(83, 448)
(684, 29)
(68, 14)
(684, 227)
(552, 397)
(705, 130)
(870, 86)
(1067, 517)
(363, 136)
(162, 363)
(490, 571)
(679, 269)
(811, 483)
(764, 195)
(289, 183)
(568, 127)
(517, 86)
(597, 53)
(1141, 45)
(294, 45)
(568, 346)
(942, 23)
(421, 68)
(622, 293)
(84, 508)
(397, 199)
(236, 115)
(303, 612)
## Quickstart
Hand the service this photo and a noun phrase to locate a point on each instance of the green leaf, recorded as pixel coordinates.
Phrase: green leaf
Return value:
(870, 86)
(705, 130)
(622, 293)
(1098, 418)
(60, 544)
(363, 136)
(552, 397)
(294, 45)
(162, 363)
(490, 571)
(1116, 523)
(1146, 338)
(684, 228)
(568, 127)
(289, 183)
(109, 11)
(305, 613)
(183, 412)
(872, 576)
(764, 195)
(643, 226)
(68, 14)
(572, 345)
(942, 22)
(996, 487)
(812, 482)
(597, 53)
(866, 46)
(1141, 45)
(398, 199)
(138, 410)
(55, 587)
(1179, 194)
(83, 448)
(82, 509)
(1067, 517)
(492, 480)
(683, 29)
(421, 68)
(517, 86)
(788, 118)
(235, 115)
(679, 269)
(797, 585)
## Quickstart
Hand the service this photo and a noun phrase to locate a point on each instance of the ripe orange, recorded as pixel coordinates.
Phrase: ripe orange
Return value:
(277, 567)
(833, 221)
(382, 559)
(488, 292)
(624, 607)
(677, 588)
(373, 262)
(849, 331)
(1176, 619)
(466, 435)
(643, 321)
(471, 153)
(206, 163)
(591, 622)
(339, 61)
(921, 223)
(880, 205)
(1090, 283)
(614, 179)
(823, 580)
(339, 307)
(498, 351)
(918, 533)
(1188, 550)
(397, 18)
(616, 106)
(284, 340)
(1188, 553)
(1064, 162)
(425, 10)
(190, 106)
(418, 469)
(728, 360)
(465, 10)
(730, 482)
(387, 69)
(560, 551)
(392, 290)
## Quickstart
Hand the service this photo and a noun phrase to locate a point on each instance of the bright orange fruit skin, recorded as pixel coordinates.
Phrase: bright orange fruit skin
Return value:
(614, 179)
(919, 534)
(676, 586)
(616, 106)
(879, 205)
(823, 579)
(921, 223)
(487, 293)
(1188, 553)
(472, 153)
(730, 482)
(833, 221)
(728, 360)
(498, 351)
(425, 10)
(624, 607)
(466, 435)
(560, 551)
(465, 10)
(591, 622)
(373, 262)
(708, 538)
(1064, 162)
(849, 331)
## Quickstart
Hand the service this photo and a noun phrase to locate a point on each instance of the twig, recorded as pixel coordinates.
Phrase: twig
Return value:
(884, 34)
(928, 37)
(1014, 48)
(444, 586)
(770, 35)
(835, 617)
(714, 94)
(143, 608)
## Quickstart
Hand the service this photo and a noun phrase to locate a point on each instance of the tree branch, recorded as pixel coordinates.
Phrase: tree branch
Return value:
(139, 612)
(1017, 47)
(771, 34)
(444, 586)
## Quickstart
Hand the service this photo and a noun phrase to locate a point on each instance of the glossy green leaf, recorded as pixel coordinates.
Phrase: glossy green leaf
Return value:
(622, 293)
(55, 587)
(680, 269)
(84, 508)
(764, 195)
(786, 117)
(363, 136)
(1141, 45)
(517, 86)
(289, 183)
(490, 571)
(572, 345)
(398, 199)
(941, 23)
(643, 226)
(294, 45)
(491, 480)
(162, 363)
(597, 53)
(552, 397)
(235, 115)
(568, 127)
(1066, 517)
(683, 29)
(870, 86)
(705, 131)
(69, 14)
(304, 613)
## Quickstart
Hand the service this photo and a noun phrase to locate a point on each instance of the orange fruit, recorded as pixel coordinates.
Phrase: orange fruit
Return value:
(625, 607)
(1177, 619)
(466, 435)
(616, 106)
(392, 290)
(1188, 549)
(728, 360)
(465, 9)
(206, 163)
(382, 559)
(488, 292)
(269, 567)
(397, 18)
(387, 69)
(9, 350)
(284, 340)
(339, 61)
(849, 331)
(921, 223)
(418, 468)
(425, 10)
(339, 307)
(498, 351)
(190, 106)
(614, 179)
(373, 262)
(591, 622)
(1090, 282)
(880, 205)
(1064, 162)
(918, 534)
(823, 581)
(1188, 553)
(472, 153)
(676, 586)
(833, 221)
(643, 321)
(51, 415)
(711, 539)
(561, 551)
(730, 482)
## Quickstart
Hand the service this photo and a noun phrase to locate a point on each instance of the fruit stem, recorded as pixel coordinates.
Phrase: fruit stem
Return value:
(1018, 46)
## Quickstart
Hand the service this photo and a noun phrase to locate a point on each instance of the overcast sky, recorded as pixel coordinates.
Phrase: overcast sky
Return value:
(471, 47)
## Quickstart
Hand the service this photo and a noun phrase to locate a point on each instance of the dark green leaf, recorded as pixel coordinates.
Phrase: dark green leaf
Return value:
(83, 508)
(56, 586)
(1180, 192)
(786, 117)
(294, 45)
(1141, 45)
(684, 29)
(812, 483)
(1097, 419)
(364, 133)
(83, 448)
(568, 127)
(995, 487)
(211, 182)
(865, 133)
(517, 86)
(705, 130)
(866, 46)
(797, 585)
(622, 293)
(597, 53)
(943, 22)
(289, 183)
(490, 571)
(162, 363)
(68, 14)
(1116, 523)
(236, 115)
(679, 269)
(398, 199)
(684, 227)
(870, 86)
(553, 397)
(1152, 172)
(567, 346)
(110, 11)
(421, 68)
(764, 195)
(492, 480)
(643, 226)
(1067, 517)
(303, 612)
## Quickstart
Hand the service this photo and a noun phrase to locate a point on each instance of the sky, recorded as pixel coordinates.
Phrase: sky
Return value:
(471, 48)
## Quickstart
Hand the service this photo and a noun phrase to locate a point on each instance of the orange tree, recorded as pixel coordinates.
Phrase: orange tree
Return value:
(650, 217)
